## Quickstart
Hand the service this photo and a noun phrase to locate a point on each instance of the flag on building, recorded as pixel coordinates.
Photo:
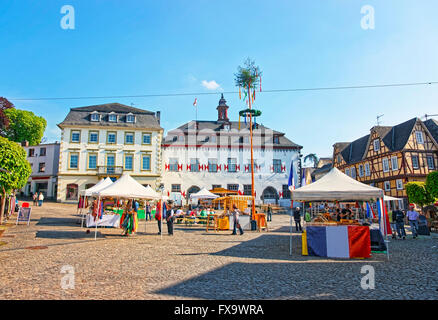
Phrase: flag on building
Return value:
(291, 182)
(195, 102)
(303, 178)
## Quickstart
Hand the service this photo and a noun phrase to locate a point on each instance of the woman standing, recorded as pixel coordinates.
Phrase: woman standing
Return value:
(129, 223)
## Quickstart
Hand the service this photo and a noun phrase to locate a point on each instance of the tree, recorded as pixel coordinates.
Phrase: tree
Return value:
(432, 184)
(249, 75)
(14, 169)
(418, 194)
(24, 125)
(4, 120)
(312, 157)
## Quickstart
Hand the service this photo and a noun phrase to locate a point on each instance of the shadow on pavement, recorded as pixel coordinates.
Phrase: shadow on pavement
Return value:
(49, 221)
(66, 234)
(272, 281)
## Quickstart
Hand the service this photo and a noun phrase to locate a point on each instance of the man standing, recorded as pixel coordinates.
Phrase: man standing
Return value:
(269, 218)
(297, 218)
(35, 198)
(236, 214)
(169, 219)
(412, 217)
(40, 199)
(148, 211)
(399, 218)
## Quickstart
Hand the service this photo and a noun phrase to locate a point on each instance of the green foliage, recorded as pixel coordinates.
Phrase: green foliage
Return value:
(432, 183)
(13, 159)
(24, 125)
(248, 75)
(312, 157)
(418, 194)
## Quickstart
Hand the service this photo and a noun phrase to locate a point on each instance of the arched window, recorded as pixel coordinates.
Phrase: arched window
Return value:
(72, 192)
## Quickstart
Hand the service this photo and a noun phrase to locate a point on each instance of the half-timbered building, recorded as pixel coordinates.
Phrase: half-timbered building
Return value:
(390, 156)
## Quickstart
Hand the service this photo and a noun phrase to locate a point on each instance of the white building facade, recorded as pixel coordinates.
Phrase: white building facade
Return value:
(106, 141)
(216, 154)
(43, 160)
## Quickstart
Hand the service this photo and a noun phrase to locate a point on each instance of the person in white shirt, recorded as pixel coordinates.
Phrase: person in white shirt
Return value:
(236, 214)
(40, 199)
(412, 217)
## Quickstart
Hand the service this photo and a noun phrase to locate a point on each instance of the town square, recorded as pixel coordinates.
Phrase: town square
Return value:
(150, 159)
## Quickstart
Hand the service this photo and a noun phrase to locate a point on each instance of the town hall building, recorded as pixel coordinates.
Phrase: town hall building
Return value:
(216, 154)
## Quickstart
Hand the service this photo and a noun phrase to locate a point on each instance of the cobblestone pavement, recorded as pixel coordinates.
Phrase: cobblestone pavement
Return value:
(194, 264)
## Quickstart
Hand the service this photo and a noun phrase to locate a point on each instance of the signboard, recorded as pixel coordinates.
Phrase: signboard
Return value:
(24, 215)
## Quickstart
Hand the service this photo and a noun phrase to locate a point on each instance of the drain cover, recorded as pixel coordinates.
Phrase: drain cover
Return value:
(36, 247)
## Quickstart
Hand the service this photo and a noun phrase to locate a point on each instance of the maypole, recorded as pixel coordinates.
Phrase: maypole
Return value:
(247, 78)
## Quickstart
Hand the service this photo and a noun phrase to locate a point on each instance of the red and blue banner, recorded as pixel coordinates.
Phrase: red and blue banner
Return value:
(339, 241)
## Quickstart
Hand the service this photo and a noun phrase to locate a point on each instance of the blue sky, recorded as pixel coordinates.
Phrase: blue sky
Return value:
(150, 47)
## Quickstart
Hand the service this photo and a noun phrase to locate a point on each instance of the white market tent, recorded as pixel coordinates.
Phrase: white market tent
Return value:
(102, 184)
(128, 188)
(203, 194)
(389, 198)
(336, 186)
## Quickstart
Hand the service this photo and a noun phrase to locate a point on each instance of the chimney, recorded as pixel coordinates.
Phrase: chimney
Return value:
(25, 143)
(158, 114)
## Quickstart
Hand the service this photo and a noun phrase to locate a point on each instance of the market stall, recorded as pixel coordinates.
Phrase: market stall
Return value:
(124, 188)
(85, 194)
(337, 239)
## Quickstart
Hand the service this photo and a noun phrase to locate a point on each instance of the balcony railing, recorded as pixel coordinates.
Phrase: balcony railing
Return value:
(112, 170)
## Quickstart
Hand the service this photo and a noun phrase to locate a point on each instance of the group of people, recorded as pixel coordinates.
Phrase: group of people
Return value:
(38, 199)
(398, 218)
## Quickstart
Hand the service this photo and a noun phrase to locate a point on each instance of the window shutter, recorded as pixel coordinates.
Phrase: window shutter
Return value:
(180, 167)
(166, 167)
(188, 167)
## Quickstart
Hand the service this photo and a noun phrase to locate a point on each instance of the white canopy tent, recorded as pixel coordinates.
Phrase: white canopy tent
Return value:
(336, 186)
(102, 184)
(126, 188)
(389, 198)
(203, 194)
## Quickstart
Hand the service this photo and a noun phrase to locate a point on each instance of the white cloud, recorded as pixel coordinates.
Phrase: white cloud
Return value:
(210, 85)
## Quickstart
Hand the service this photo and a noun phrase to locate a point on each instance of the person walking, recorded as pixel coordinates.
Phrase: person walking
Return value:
(297, 218)
(399, 218)
(236, 214)
(148, 211)
(35, 198)
(169, 218)
(158, 211)
(269, 216)
(40, 199)
(392, 223)
(412, 217)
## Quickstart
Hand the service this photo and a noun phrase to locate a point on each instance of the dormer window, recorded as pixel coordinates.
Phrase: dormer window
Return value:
(130, 118)
(112, 117)
(276, 140)
(95, 116)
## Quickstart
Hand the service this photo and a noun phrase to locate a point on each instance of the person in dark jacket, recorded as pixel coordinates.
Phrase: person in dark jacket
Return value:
(269, 218)
(400, 223)
(297, 218)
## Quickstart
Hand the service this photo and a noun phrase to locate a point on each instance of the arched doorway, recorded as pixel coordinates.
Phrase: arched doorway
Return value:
(71, 192)
(270, 195)
(192, 189)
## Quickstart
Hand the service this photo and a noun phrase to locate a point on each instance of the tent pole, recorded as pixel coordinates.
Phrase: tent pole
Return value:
(97, 217)
(144, 206)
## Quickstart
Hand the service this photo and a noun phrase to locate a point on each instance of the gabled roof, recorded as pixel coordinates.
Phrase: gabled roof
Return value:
(355, 150)
(398, 136)
(218, 127)
(432, 126)
(395, 139)
(81, 116)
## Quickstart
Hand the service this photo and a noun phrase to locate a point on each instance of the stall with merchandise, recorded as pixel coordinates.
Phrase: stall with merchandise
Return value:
(347, 238)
